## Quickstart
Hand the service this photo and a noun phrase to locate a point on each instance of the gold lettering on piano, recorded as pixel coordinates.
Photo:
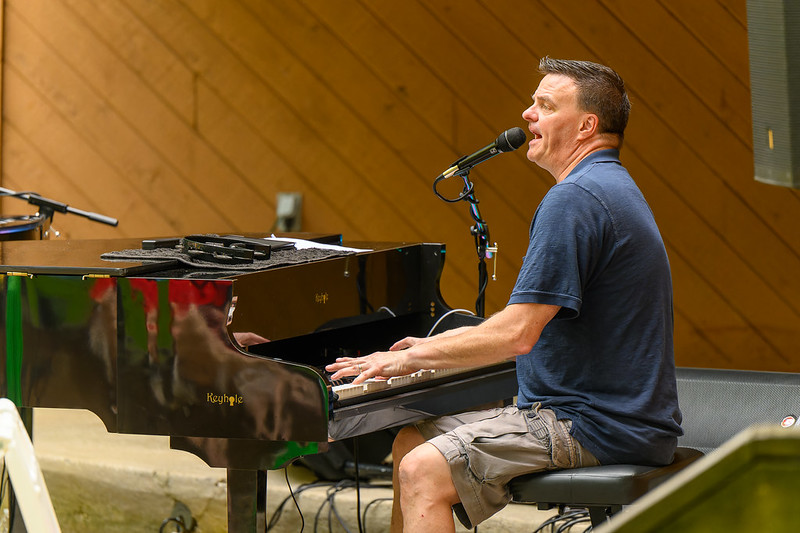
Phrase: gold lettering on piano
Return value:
(223, 399)
(321, 298)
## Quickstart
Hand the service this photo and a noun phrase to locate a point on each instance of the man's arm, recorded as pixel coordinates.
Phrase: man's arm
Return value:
(408, 342)
(511, 332)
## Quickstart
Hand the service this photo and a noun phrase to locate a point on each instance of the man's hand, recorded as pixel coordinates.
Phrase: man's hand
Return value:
(379, 365)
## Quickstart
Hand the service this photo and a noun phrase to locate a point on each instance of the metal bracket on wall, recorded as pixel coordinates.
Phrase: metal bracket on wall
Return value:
(288, 211)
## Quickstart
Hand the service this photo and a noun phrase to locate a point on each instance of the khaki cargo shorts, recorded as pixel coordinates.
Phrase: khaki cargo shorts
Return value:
(486, 449)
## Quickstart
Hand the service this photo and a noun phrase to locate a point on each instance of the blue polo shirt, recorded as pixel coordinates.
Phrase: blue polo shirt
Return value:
(606, 360)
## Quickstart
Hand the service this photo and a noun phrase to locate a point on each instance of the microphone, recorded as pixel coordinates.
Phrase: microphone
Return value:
(508, 141)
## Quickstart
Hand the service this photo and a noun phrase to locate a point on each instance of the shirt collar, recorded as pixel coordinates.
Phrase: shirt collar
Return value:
(608, 155)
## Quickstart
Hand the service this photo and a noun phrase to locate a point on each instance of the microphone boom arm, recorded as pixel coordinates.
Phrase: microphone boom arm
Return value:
(48, 207)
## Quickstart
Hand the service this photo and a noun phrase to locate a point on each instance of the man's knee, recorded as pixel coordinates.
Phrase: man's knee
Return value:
(423, 464)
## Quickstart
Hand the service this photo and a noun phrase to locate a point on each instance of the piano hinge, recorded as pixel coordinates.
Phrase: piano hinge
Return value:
(88, 276)
(20, 274)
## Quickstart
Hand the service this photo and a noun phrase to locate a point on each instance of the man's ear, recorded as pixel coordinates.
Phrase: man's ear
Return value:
(589, 126)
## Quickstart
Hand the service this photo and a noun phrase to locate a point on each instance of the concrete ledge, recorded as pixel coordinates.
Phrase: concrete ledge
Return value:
(114, 483)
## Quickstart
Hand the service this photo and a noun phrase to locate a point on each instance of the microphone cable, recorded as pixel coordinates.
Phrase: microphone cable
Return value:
(468, 188)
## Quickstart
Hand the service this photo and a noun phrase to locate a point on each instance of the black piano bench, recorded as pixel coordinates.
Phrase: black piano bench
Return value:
(601, 489)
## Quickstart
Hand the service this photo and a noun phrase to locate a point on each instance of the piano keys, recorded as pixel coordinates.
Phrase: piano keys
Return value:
(150, 346)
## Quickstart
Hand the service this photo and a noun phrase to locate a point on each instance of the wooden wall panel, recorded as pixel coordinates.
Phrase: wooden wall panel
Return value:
(185, 116)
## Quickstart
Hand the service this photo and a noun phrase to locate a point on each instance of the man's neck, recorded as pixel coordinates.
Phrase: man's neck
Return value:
(601, 142)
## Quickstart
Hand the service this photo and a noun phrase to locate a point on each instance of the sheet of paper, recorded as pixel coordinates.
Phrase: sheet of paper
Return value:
(302, 244)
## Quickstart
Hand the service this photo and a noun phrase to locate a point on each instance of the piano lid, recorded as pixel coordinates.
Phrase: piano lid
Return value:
(73, 257)
(83, 257)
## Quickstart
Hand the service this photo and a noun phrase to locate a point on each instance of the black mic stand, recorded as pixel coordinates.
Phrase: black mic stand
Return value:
(47, 207)
(479, 231)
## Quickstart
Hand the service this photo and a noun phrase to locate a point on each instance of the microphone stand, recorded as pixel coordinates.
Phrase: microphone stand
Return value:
(47, 207)
(480, 233)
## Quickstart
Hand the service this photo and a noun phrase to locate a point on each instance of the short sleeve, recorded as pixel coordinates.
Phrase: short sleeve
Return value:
(565, 238)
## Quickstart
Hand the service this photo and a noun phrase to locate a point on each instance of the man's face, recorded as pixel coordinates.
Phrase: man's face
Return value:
(554, 119)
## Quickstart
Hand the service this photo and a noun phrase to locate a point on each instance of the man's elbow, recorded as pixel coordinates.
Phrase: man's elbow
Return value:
(520, 326)
(522, 343)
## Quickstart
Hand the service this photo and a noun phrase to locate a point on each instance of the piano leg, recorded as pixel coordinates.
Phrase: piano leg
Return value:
(247, 501)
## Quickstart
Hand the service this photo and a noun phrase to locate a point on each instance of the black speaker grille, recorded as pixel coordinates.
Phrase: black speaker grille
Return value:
(718, 404)
(774, 43)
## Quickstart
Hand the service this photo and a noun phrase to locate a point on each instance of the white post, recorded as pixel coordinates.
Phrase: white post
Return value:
(24, 472)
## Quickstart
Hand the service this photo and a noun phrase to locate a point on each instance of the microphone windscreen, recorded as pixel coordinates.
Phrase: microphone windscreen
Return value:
(511, 140)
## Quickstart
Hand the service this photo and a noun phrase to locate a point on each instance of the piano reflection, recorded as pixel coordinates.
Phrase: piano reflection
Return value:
(156, 337)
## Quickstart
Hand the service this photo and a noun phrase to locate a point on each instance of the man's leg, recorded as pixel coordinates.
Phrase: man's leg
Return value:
(425, 464)
(406, 440)
(427, 493)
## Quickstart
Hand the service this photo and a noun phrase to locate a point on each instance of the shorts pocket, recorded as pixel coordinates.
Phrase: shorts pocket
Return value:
(539, 430)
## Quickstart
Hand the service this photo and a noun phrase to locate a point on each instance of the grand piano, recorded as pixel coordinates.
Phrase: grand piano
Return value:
(226, 355)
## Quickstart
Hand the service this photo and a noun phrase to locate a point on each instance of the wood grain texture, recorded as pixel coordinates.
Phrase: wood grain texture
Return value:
(186, 116)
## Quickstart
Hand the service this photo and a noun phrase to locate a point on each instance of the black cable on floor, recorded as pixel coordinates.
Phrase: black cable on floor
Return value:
(370, 504)
(333, 488)
(570, 518)
(291, 493)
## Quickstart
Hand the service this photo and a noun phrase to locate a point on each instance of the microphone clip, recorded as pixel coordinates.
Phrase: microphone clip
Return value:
(450, 172)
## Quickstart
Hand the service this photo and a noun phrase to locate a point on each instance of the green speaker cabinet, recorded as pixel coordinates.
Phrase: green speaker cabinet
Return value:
(749, 484)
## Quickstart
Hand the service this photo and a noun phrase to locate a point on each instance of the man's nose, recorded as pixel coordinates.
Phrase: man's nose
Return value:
(529, 114)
